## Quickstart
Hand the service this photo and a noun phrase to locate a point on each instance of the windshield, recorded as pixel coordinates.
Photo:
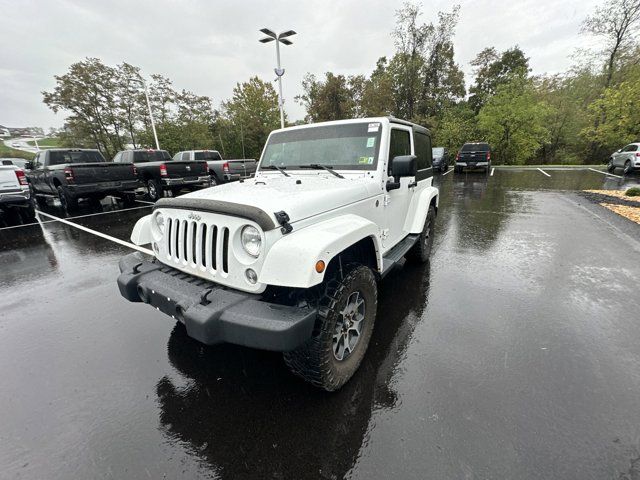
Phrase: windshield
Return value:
(352, 146)
(213, 155)
(151, 156)
(437, 151)
(475, 147)
(69, 156)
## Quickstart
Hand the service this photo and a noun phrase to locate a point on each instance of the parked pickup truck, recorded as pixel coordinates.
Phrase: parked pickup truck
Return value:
(290, 260)
(15, 197)
(220, 171)
(159, 173)
(474, 155)
(72, 174)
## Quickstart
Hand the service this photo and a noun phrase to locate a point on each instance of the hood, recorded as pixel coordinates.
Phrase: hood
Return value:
(314, 194)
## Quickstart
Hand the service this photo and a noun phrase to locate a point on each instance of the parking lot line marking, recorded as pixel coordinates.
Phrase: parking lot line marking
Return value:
(77, 216)
(98, 234)
(144, 201)
(447, 172)
(492, 170)
(543, 172)
(605, 173)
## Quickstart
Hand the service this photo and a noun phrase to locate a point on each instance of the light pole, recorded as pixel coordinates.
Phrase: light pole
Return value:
(146, 95)
(279, 38)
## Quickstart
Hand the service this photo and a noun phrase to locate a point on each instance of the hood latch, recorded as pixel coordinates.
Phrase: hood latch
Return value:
(283, 219)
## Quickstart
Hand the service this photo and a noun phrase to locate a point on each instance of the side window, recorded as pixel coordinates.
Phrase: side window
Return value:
(117, 158)
(399, 144)
(185, 156)
(422, 144)
(127, 157)
(631, 148)
(177, 156)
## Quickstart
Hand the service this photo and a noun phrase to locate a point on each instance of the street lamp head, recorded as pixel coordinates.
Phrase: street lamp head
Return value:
(286, 34)
(285, 41)
(266, 40)
(269, 33)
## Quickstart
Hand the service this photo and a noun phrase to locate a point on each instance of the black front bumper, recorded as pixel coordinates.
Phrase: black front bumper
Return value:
(213, 314)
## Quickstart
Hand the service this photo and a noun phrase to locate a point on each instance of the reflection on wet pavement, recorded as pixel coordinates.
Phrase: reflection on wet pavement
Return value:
(512, 355)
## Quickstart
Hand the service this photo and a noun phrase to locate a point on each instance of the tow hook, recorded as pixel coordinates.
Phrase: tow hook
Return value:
(283, 220)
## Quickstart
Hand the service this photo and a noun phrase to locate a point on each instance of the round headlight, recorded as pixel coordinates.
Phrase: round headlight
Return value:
(160, 222)
(251, 240)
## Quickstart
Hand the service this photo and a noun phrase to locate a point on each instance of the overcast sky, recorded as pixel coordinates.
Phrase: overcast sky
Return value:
(208, 46)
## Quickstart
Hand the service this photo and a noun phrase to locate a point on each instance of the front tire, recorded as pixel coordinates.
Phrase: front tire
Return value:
(421, 251)
(346, 317)
(611, 167)
(627, 167)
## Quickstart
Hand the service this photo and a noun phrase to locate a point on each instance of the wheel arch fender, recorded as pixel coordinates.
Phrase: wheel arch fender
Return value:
(291, 260)
(419, 207)
(141, 234)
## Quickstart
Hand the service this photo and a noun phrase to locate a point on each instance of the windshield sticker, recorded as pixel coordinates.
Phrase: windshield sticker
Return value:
(371, 141)
(364, 160)
(373, 127)
(370, 162)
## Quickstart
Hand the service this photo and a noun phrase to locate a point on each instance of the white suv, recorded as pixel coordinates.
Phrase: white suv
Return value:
(289, 260)
(627, 158)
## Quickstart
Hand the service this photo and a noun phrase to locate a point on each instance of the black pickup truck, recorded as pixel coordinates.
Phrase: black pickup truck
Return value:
(159, 173)
(71, 174)
(221, 170)
(474, 155)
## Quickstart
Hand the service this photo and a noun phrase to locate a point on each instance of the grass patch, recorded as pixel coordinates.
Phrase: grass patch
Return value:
(52, 142)
(8, 152)
(633, 192)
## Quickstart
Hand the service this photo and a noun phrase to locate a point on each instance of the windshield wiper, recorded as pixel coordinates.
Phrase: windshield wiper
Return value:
(275, 167)
(317, 166)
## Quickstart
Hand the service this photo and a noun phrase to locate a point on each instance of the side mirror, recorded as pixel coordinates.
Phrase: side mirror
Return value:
(28, 166)
(402, 166)
(619, 150)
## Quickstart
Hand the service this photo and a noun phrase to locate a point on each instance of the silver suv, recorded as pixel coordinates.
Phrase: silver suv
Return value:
(627, 158)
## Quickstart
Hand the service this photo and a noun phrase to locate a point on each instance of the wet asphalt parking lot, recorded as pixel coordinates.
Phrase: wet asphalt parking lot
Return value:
(513, 354)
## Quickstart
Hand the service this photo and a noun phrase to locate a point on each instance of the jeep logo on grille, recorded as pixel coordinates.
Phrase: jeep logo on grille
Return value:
(194, 216)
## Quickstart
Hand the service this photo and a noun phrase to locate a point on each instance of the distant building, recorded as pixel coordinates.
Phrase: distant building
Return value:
(20, 131)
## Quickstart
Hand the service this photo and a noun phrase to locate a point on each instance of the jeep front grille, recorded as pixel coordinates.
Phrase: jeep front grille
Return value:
(198, 243)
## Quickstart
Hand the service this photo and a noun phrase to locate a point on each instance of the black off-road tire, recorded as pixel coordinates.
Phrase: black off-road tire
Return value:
(421, 251)
(68, 202)
(154, 190)
(315, 361)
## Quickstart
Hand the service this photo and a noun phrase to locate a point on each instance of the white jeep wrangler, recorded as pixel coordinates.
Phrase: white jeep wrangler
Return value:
(289, 260)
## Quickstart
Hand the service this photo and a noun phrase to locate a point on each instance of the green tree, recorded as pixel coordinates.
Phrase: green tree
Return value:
(334, 98)
(492, 70)
(615, 23)
(457, 126)
(88, 92)
(243, 123)
(619, 104)
(377, 93)
(513, 122)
